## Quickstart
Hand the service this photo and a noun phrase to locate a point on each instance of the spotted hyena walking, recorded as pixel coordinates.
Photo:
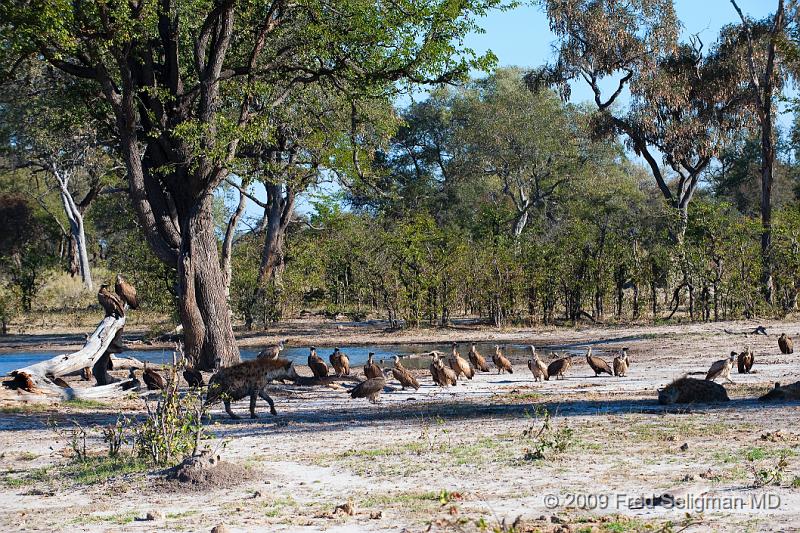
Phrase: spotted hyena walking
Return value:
(248, 379)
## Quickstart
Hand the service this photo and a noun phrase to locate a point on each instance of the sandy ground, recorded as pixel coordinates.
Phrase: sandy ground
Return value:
(463, 458)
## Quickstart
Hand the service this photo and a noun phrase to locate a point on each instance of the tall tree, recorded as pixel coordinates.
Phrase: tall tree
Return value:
(683, 102)
(529, 141)
(185, 85)
(763, 68)
(46, 129)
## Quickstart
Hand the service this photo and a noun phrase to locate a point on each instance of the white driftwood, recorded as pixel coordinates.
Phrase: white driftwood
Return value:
(42, 386)
(125, 363)
(96, 345)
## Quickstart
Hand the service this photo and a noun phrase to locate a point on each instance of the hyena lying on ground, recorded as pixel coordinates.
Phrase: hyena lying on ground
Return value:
(248, 379)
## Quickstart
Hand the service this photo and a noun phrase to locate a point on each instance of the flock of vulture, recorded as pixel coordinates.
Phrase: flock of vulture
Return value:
(444, 372)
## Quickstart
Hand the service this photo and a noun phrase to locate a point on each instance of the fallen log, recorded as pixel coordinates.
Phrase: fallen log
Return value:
(38, 378)
(96, 345)
(43, 386)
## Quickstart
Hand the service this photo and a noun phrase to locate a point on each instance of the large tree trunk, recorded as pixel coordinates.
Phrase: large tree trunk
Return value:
(210, 343)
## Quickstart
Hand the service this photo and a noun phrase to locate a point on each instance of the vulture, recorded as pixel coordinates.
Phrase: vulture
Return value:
(126, 292)
(402, 375)
(134, 383)
(317, 365)
(371, 370)
(536, 366)
(340, 362)
(621, 364)
(272, 351)
(501, 362)
(370, 388)
(745, 360)
(434, 369)
(447, 375)
(558, 367)
(785, 344)
(112, 303)
(477, 360)
(459, 364)
(193, 377)
(721, 369)
(152, 379)
(597, 364)
(60, 382)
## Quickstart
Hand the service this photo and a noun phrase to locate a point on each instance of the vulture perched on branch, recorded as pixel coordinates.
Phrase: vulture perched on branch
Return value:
(126, 292)
(111, 302)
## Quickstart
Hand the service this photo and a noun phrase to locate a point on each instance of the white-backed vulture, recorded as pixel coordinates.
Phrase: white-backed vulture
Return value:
(501, 362)
(126, 292)
(340, 362)
(112, 304)
(722, 369)
(460, 365)
(537, 366)
(478, 361)
(597, 364)
(317, 365)
(371, 370)
(402, 375)
(785, 344)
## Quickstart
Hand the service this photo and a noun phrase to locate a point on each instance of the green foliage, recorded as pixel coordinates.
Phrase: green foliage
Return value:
(172, 429)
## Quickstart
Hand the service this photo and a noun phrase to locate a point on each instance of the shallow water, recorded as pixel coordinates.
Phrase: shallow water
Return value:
(384, 354)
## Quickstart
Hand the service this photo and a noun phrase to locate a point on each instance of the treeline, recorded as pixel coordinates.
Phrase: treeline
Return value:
(671, 192)
(439, 235)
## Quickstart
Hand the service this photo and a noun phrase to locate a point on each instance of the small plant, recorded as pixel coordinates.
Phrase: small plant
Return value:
(173, 428)
(546, 441)
(76, 438)
(115, 435)
(772, 475)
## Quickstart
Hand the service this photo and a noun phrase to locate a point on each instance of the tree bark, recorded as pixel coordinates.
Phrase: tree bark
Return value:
(209, 340)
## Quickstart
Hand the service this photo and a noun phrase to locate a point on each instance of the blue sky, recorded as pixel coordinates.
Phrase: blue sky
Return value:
(521, 37)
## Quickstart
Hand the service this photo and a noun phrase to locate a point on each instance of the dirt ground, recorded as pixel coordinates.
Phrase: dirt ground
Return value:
(481, 456)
